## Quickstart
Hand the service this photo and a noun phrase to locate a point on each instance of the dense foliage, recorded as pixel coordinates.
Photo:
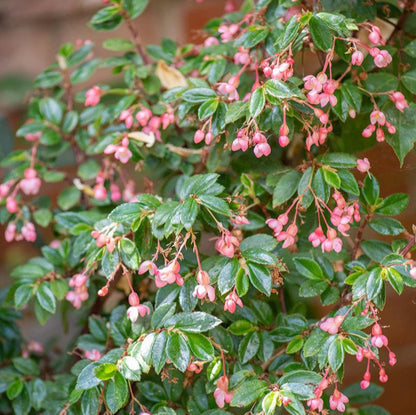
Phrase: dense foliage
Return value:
(214, 197)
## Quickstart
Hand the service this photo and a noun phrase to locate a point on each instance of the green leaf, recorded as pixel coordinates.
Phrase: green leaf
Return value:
(409, 80)
(332, 178)
(358, 395)
(348, 182)
(386, 226)
(275, 88)
(260, 277)
(84, 71)
(26, 366)
(42, 217)
(48, 79)
(22, 295)
(69, 198)
(127, 212)
(200, 346)
(159, 354)
(118, 44)
(336, 354)
(267, 242)
(295, 345)
(70, 122)
(189, 212)
(403, 140)
(240, 327)
(178, 351)
(193, 322)
(252, 37)
(51, 110)
(257, 102)
(248, 347)
(235, 111)
(259, 256)
(248, 392)
(393, 205)
(286, 187)
(269, 402)
(321, 35)
(116, 393)
(371, 190)
(410, 49)
(129, 253)
(375, 250)
(105, 371)
(135, 7)
(215, 204)
(395, 280)
(46, 298)
(314, 342)
(186, 298)
(130, 368)
(308, 268)
(207, 108)
(374, 283)
(198, 95)
(14, 389)
(227, 275)
(290, 31)
(339, 160)
(162, 313)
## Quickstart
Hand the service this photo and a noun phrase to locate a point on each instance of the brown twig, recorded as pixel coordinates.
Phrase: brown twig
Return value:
(402, 20)
(135, 37)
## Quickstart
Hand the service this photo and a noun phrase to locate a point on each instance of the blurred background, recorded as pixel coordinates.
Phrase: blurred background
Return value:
(30, 34)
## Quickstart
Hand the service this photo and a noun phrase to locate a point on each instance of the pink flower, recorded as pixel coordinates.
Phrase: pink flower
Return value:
(241, 142)
(363, 165)
(331, 325)
(317, 237)
(77, 297)
(203, 289)
(148, 266)
(375, 36)
(368, 131)
(10, 232)
(100, 192)
(412, 272)
(399, 100)
(316, 404)
(226, 244)
(283, 71)
(30, 185)
(168, 275)
(29, 232)
(222, 395)
(143, 116)
(228, 32)
(357, 58)
(229, 88)
(167, 118)
(121, 152)
(115, 193)
(127, 117)
(337, 401)
(378, 339)
(377, 117)
(93, 355)
(11, 204)
(240, 220)
(78, 280)
(232, 301)
(382, 58)
(93, 96)
(198, 136)
(242, 57)
(134, 312)
(211, 41)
